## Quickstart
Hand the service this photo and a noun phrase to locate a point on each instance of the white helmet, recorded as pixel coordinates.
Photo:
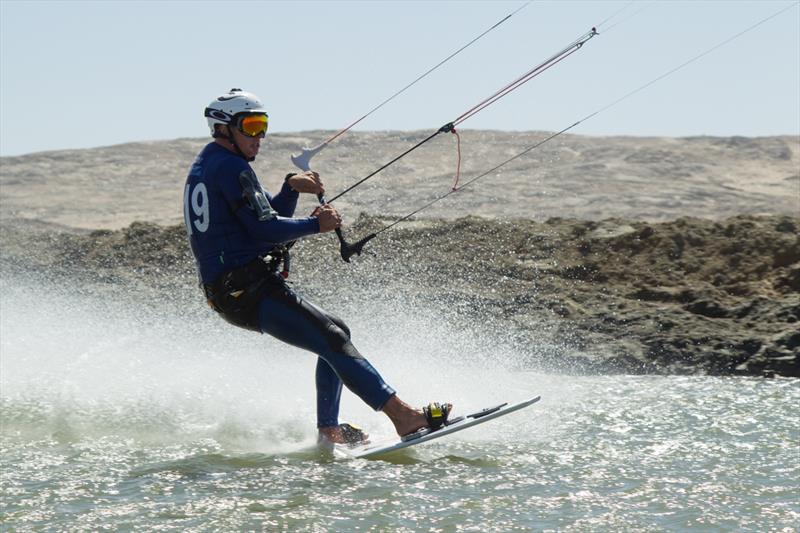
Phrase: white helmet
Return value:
(226, 106)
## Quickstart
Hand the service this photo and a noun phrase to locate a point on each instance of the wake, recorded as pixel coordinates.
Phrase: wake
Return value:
(77, 365)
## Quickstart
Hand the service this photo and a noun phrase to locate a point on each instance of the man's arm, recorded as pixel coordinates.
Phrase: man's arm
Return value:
(253, 208)
(285, 201)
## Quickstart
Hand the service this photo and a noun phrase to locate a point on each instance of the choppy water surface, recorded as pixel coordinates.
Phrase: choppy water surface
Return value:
(119, 418)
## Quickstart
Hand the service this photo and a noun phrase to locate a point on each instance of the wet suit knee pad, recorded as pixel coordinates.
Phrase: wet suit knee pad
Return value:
(338, 321)
(335, 336)
(335, 330)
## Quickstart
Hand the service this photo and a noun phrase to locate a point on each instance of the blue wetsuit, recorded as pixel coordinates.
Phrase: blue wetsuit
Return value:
(231, 223)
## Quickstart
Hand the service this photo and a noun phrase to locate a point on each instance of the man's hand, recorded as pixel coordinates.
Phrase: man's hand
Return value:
(307, 182)
(329, 219)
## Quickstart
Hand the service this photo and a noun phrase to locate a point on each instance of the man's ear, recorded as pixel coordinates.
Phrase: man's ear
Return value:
(222, 131)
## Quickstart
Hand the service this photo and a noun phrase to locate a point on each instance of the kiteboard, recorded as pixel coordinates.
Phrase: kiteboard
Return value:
(459, 423)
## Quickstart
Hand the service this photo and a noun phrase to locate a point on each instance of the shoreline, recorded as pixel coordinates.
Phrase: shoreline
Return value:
(586, 297)
(592, 254)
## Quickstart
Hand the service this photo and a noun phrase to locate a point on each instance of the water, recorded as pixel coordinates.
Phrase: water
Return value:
(118, 415)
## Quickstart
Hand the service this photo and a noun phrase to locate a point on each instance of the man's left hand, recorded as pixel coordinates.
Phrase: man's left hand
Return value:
(307, 182)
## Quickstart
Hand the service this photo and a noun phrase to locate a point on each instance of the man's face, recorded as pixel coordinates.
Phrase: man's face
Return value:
(248, 145)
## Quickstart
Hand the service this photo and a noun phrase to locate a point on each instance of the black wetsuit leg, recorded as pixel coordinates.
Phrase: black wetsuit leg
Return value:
(285, 315)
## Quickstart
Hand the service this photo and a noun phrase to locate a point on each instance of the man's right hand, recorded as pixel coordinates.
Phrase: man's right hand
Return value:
(328, 218)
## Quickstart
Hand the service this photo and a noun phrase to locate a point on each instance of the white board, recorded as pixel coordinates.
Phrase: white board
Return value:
(458, 423)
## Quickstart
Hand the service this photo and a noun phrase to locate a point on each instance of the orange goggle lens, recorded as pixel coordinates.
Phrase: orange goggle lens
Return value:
(253, 125)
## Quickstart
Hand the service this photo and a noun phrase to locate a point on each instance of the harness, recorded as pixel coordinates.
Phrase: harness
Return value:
(236, 294)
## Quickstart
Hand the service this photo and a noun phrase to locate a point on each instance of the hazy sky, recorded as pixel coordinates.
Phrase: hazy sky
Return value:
(85, 74)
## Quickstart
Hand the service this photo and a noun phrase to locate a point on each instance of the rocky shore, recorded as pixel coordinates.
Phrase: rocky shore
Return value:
(612, 296)
(678, 256)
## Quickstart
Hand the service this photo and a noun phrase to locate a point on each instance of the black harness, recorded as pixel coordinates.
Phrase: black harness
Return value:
(235, 295)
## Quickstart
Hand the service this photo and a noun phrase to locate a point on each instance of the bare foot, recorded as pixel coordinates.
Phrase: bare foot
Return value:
(405, 418)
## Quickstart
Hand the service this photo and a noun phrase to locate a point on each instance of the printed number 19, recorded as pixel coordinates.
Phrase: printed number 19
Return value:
(198, 200)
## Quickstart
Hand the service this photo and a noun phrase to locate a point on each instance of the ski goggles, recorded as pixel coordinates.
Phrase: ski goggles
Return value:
(251, 125)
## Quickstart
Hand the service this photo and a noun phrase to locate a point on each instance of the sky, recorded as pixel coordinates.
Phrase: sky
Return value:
(88, 74)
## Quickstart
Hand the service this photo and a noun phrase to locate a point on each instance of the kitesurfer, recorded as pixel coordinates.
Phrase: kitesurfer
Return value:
(240, 236)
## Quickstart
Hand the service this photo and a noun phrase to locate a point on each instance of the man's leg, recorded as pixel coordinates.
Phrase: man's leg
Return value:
(287, 317)
(329, 392)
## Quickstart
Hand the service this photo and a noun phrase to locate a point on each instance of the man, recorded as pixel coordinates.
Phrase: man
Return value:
(240, 236)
